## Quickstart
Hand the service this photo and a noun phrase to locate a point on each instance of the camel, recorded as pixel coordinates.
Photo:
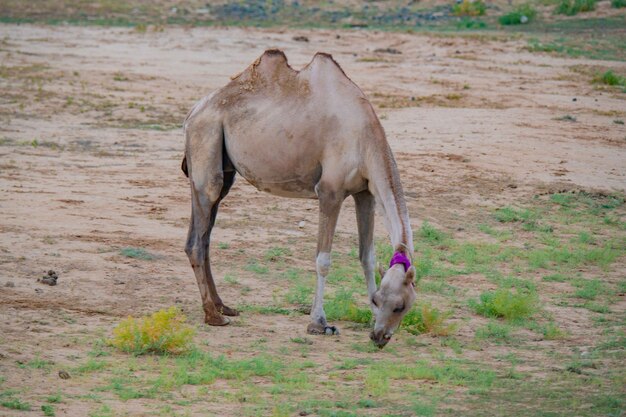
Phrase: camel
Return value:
(300, 134)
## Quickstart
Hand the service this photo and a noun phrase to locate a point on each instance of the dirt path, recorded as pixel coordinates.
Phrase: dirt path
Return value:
(91, 148)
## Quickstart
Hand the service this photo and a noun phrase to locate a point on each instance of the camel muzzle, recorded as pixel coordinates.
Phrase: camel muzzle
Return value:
(380, 338)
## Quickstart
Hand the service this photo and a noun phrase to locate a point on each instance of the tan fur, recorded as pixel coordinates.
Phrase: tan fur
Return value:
(302, 134)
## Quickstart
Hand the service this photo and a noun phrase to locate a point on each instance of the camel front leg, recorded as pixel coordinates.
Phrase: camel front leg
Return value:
(365, 209)
(330, 205)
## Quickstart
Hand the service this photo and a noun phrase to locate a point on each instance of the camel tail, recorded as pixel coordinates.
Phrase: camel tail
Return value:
(183, 166)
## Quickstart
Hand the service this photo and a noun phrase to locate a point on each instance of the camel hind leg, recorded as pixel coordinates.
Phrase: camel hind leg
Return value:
(209, 185)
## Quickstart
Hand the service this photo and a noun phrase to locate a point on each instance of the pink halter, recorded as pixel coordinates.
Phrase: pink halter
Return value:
(400, 258)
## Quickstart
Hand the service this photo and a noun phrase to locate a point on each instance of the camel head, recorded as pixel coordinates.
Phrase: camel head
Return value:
(392, 300)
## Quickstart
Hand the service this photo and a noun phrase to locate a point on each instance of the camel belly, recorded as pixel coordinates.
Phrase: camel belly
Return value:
(276, 168)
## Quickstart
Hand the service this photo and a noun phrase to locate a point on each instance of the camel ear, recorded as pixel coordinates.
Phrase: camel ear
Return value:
(381, 270)
(409, 277)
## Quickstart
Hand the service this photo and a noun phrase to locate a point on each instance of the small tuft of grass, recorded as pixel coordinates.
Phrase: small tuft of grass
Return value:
(55, 399)
(48, 410)
(257, 268)
(506, 304)
(618, 4)
(573, 7)
(15, 404)
(299, 295)
(522, 14)
(431, 235)
(137, 253)
(163, 332)
(344, 307)
(555, 278)
(552, 332)
(512, 214)
(427, 319)
(469, 8)
(610, 78)
(566, 118)
(588, 289)
(276, 254)
(498, 332)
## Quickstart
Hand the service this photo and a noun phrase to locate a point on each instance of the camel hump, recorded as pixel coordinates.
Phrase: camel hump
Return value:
(326, 71)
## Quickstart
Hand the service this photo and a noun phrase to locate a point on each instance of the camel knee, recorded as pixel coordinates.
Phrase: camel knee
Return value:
(196, 251)
(323, 263)
(368, 262)
(209, 187)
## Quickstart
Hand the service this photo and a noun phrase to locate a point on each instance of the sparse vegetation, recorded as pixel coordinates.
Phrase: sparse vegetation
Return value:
(427, 319)
(163, 332)
(610, 78)
(137, 253)
(498, 332)
(511, 305)
(573, 7)
(343, 307)
(469, 8)
(522, 14)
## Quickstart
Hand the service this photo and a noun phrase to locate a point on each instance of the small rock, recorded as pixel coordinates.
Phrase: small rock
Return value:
(301, 224)
(300, 39)
(574, 99)
(64, 375)
(9, 284)
(523, 19)
(303, 413)
(337, 37)
(49, 279)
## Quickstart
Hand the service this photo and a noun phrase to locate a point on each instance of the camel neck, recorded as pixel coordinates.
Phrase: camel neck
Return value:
(387, 189)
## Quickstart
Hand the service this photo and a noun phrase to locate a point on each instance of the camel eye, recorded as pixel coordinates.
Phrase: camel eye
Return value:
(399, 309)
(374, 302)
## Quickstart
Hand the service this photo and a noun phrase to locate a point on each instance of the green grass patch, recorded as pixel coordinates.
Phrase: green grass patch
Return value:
(48, 410)
(427, 319)
(573, 7)
(510, 305)
(524, 13)
(55, 398)
(257, 268)
(610, 78)
(498, 332)
(137, 253)
(588, 289)
(92, 365)
(300, 294)
(8, 400)
(469, 8)
(276, 254)
(618, 4)
(163, 332)
(343, 307)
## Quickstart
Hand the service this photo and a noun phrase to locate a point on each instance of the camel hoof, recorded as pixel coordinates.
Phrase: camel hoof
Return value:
(227, 311)
(216, 320)
(316, 328)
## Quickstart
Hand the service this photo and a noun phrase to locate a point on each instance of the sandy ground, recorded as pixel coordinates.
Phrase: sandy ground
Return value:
(474, 123)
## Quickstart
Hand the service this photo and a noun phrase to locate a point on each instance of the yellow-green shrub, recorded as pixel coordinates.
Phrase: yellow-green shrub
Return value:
(162, 332)
(469, 8)
(427, 319)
